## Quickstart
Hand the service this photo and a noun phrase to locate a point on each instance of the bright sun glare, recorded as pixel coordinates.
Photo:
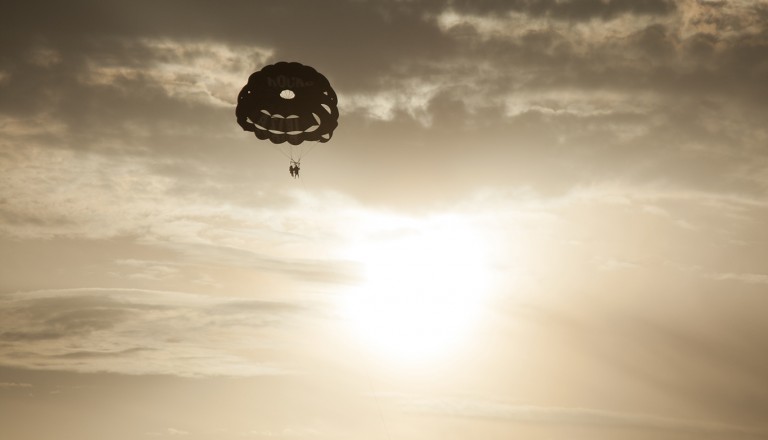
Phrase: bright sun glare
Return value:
(423, 286)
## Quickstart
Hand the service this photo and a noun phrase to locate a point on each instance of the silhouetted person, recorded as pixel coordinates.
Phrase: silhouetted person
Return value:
(294, 169)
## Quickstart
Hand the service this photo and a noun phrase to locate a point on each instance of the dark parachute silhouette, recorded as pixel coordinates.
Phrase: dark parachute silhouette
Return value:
(288, 102)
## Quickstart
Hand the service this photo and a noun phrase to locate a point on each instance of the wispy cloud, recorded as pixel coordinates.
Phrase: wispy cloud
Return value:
(67, 194)
(288, 432)
(749, 278)
(168, 432)
(571, 416)
(197, 72)
(132, 331)
(15, 385)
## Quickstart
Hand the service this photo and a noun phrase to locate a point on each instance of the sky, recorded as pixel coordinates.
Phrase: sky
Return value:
(537, 219)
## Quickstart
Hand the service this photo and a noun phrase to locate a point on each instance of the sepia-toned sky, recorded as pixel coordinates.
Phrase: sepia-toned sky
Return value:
(537, 219)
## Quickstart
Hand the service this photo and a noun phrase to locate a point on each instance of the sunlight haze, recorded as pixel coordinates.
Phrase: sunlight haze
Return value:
(535, 220)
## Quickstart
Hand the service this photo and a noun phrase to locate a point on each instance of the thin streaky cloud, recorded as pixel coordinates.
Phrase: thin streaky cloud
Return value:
(749, 278)
(115, 330)
(15, 385)
(571, 416)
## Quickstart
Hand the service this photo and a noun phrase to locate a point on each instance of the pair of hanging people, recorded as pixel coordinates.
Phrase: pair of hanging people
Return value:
(294, 169)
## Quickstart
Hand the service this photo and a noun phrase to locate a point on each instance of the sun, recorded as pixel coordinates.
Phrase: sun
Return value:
(424, 285)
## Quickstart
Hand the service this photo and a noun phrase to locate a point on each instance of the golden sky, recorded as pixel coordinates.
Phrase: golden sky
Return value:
(539, 219)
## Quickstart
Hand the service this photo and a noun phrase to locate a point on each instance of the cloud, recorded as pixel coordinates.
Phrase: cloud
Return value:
(195, 72)
(133, 331)
(15, 385)
(568, 10)
(169, 432)
(570, 416)
(411, 100)
(104, 32)
(557, 54)
(153, 270)
(750, 278)
(559, 92)
(287, 432)
(613, 150)
(62, 193)
(49, 194)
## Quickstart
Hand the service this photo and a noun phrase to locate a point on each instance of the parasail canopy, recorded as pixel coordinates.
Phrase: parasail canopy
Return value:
(288, 102)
